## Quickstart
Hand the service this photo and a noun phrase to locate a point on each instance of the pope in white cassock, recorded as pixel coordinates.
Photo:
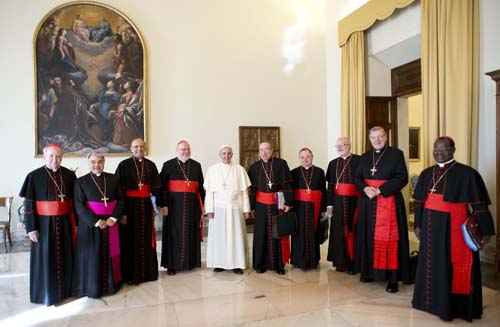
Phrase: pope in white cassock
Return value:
(227, 206)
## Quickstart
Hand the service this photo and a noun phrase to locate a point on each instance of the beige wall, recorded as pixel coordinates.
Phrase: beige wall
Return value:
(213, 66)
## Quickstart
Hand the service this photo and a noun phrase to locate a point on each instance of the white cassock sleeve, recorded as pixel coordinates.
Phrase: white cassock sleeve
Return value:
(209, 196)
(246, 201)
(209, 202)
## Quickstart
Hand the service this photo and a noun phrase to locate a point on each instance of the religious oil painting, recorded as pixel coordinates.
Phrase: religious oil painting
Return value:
(90, 80)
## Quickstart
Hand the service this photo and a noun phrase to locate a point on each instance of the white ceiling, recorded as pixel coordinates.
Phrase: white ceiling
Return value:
(400, 53)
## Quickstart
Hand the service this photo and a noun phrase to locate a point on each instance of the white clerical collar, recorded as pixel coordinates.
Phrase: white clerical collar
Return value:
(138, 159)
(183, 161)
(346, 156)
(307, 168)
(98, 175)
(52, 170)
(442, 164)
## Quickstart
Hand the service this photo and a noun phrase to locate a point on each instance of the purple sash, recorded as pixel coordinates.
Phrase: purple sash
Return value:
(98, 208)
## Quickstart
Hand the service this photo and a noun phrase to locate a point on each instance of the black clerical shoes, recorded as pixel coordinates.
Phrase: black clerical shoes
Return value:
(261, 271)
(392, 287)
(218, 270)
(281, 271)
(171, 272)
(238, 271)
(366, 279)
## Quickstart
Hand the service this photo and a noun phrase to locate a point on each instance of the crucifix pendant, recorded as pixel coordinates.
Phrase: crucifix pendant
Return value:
(61, 197)
(188, 182)
(270, 185)
(105, 199)
(433, 189)
(373, 170)
(140, 185)
(336, 186)
(308, 190)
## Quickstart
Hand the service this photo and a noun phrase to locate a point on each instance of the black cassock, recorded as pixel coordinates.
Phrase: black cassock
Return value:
(391, 263)
(305, 241)
(138, 235)
(97, 266)
(343, 198)
(51, 260)
(433, 286)
(183, 194)
(267, 251)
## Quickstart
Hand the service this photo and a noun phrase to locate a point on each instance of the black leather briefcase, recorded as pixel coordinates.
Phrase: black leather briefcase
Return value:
(284, 224)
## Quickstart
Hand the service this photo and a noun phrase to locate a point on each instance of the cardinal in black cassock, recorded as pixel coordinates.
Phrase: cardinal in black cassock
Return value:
(99, 205)
(448, 281)
(51, 225)
(382, 248)
(342, 198)
(268, 176)
(183, 195)
(310, 201)
(139, 179)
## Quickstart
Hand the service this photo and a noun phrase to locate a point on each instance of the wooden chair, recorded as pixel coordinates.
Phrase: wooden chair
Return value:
(5, 223)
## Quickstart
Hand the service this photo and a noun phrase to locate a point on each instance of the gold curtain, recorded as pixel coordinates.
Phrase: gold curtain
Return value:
(450, 50)
(364, 17)
(353, 91)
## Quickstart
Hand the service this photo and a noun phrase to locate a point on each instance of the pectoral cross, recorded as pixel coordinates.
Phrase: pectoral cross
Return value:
(188, 182)
(140, 185)
(308, 190)
(105, 199)
(270, 185)
(61, 197)
(433, 189)
(373, 170)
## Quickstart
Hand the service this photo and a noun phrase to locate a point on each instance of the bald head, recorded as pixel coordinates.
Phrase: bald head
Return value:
(265, 151)
(183, 150)
(53, 155)
(444, 149)
(343, 146)
(137, 147)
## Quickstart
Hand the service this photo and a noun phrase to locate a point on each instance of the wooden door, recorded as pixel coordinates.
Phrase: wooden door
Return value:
(381, 111)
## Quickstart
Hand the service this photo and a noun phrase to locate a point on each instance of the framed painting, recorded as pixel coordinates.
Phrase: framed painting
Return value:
(90, 80)
(414, 143)
(251, 137)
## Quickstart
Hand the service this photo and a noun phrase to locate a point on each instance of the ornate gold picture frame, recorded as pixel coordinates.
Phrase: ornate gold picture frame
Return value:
(90, 80)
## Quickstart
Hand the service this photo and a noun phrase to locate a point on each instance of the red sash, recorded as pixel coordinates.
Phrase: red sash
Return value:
(58, 208)
(98, 208)
(346, 189)
(143, 192)
(386, 237)
(313, 196)
(183, 186)
(349, 189)
(461, 255)
(271, 199)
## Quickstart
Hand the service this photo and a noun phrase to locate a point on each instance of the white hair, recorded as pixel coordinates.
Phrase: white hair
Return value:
(96, 154)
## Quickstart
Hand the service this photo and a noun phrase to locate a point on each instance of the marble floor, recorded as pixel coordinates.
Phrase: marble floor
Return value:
(204, 298)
